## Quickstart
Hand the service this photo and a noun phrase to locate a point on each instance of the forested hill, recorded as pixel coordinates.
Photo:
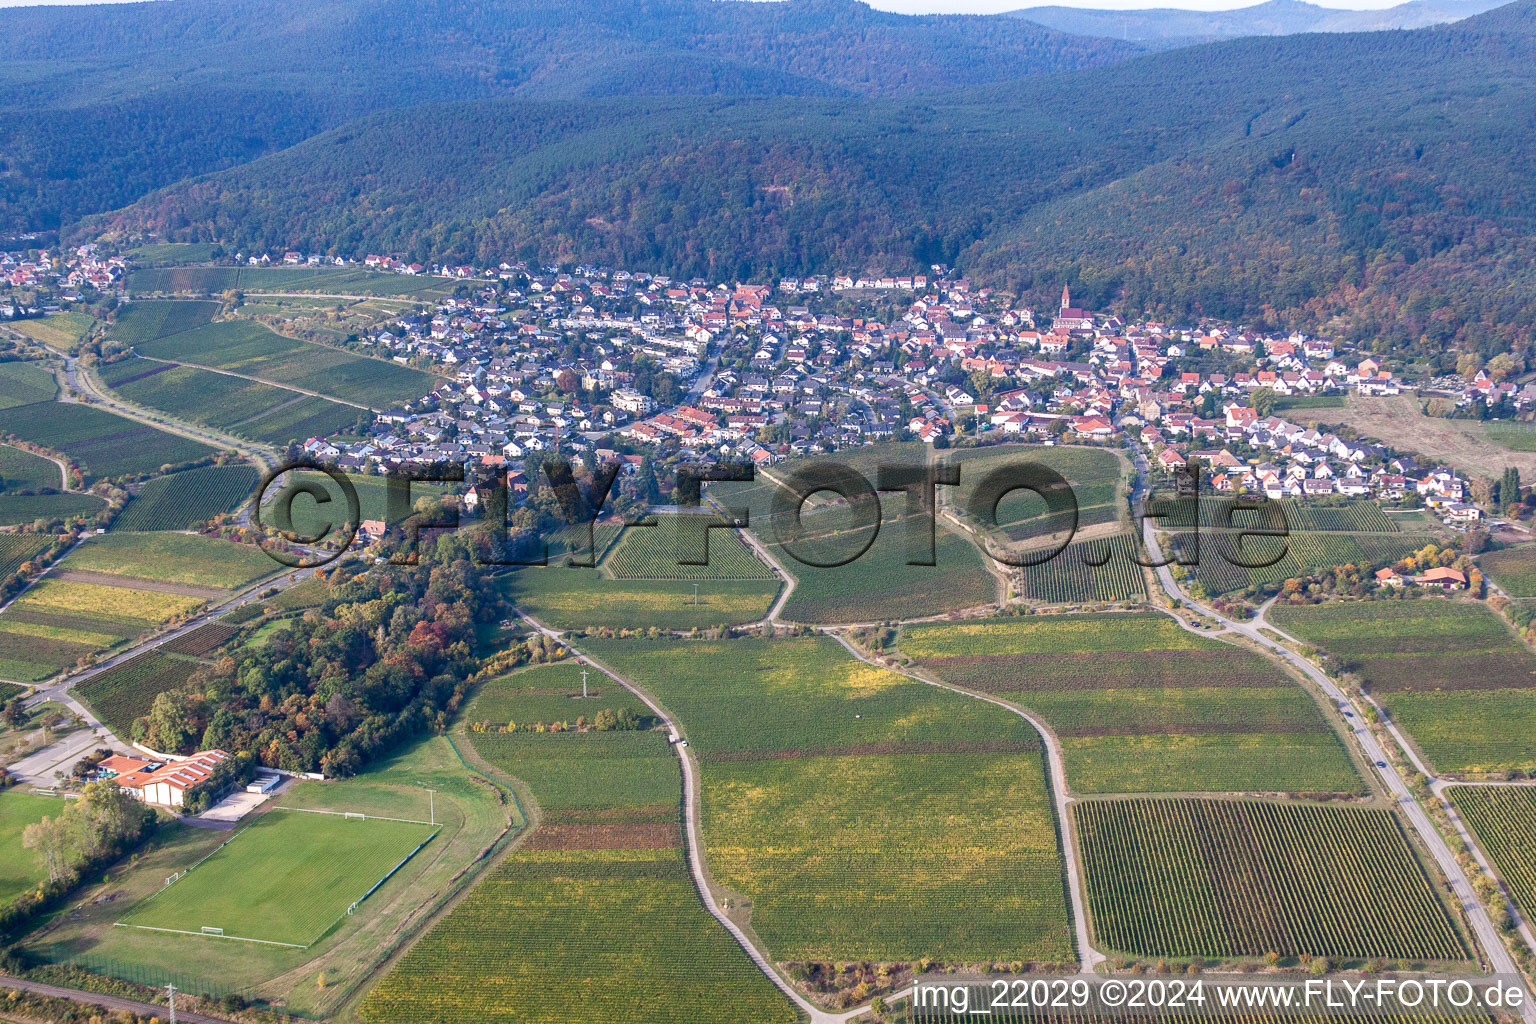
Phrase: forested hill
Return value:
(101, 104)
(1377, 183)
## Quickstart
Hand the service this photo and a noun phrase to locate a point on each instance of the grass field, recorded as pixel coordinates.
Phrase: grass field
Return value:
(1513, 569)
(125, 691)
(105, 444)
(182, 500)
(20, 868)
(62, 331)
(864, 815)
(565, 598)
(1204, 878)
(602, 880)
(1450, 672)
(1465, 444)
(26, 383)
(249, 348)
(1142, 705)
(1503, 818)
(1517, 437)
(285, 878)
(173, 558)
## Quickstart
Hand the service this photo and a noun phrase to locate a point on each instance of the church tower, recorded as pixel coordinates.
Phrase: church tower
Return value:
(1066, 298)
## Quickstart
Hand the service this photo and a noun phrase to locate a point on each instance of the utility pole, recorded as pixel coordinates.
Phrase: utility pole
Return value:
(170, 998)
(432, 805)
(695, 595)
(583, 684)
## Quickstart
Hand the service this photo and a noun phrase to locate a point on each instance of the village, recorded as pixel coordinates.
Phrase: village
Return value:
(602, 363)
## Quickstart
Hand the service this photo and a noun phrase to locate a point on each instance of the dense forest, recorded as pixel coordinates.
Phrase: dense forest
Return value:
(1308, 181)
(99, 105)
(1305, 181)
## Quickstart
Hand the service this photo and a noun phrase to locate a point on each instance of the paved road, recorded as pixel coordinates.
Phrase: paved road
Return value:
(1499, 959)
(110, 1002)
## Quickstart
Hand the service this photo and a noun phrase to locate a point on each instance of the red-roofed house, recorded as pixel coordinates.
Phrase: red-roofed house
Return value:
(168, 785)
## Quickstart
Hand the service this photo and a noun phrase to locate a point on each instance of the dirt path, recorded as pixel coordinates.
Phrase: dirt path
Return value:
(146, 1010)
(63, 466)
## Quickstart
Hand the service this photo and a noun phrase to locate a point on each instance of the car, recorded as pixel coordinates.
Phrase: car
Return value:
(1381, 764)
(1349, 714)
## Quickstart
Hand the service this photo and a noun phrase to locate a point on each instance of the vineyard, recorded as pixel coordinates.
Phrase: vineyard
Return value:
(566, 598)
(26, 384)
(1451, 672)
(200, 641)
(321, 280)
(188, 559)
(23, 471)
(1222, 879)
(1503, 818)
(1512, 569)
(57, 622)
(602, 879)
(247, 347)
(125, 691)
(106, 444)
(656, 553)
(28, 508)
(1304, 553)
(182, 500)
(62, 332)
(1071, 578)
(797, 800)
(148, 319)
(16, 548)
(1142, 705)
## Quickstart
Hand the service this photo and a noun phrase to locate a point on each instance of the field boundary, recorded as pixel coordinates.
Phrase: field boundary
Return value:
(210, 935)
(360, 815)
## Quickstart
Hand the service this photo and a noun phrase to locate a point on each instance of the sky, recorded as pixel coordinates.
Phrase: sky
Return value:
(987, 6)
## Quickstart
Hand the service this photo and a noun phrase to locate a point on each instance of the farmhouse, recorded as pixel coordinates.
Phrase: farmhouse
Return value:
(1445, 579)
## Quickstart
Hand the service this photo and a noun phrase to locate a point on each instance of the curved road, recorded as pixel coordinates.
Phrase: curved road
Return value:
(1499, 959)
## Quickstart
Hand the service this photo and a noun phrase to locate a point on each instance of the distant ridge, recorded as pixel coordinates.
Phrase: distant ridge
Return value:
(1169, 26)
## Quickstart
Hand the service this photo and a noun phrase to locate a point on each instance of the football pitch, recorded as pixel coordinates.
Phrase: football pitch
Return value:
(284, 879)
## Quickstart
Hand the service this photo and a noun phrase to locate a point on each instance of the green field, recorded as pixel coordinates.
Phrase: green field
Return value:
(602, 880)
(1517, 437)
(16, 548)
(26, 383)
(16, 509)
(566, 598)
(20, 868)
(182, 500)
(1450, 672)
(286, 878)
(172, 252)
(173, 558)
(1208, 878)
(865, 815)
(1503, 818)
(124, 692)
(1513, 569)
(23, 471)
(1142, 705)
(62, 331)
(1291, 402)
(249, 348)
(105, 444)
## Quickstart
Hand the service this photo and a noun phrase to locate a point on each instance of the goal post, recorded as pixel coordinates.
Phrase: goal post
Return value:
(209, 929)
(356, 814)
